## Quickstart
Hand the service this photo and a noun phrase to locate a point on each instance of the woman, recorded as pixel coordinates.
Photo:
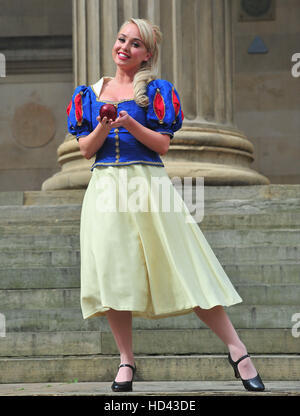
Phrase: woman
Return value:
(148, 264)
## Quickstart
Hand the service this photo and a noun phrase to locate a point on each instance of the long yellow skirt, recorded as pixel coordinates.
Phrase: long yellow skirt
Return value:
(137, 255)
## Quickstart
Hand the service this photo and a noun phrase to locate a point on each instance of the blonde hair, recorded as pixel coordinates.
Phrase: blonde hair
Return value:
(151, 37)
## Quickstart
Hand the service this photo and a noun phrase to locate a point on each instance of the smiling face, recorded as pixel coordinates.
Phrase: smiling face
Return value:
(129, 50)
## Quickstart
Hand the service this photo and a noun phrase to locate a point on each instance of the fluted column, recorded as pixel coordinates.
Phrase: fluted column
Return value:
(209, 144)
(197, 56)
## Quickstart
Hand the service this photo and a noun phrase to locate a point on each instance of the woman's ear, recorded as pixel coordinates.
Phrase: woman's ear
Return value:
(148, 56)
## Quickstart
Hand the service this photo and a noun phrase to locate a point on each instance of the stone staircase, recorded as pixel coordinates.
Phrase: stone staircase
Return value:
(254, 231)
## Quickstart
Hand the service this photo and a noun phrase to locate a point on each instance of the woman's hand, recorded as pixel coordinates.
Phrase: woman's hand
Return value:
(104, 123)
(123, 120)
(108, 124)
(152, 139)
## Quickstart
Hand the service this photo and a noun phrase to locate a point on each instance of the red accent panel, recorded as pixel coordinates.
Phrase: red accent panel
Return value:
(176, 103)
(69, 108)
(182, 115)
(78, 109)
(159, 106)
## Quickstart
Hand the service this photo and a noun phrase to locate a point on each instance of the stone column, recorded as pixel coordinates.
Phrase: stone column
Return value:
(197, 56)
(209, 144)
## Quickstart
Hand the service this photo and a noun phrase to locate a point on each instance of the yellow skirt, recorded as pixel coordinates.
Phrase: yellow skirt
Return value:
(137, 255)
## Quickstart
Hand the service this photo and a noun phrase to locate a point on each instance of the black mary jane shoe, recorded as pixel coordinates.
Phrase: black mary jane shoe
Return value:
(124, 385)
(252, 384)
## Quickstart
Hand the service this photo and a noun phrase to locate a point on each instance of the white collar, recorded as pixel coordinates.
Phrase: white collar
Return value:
(97, 87)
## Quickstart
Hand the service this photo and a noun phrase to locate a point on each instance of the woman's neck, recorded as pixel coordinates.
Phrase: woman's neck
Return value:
(124, 77)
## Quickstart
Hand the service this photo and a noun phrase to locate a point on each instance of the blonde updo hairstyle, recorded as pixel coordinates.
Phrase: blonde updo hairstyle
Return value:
(151, 37)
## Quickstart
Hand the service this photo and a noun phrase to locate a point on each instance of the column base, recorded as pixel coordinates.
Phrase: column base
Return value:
(75, 172)
(222, 155)
(67, 180)
(216, 174)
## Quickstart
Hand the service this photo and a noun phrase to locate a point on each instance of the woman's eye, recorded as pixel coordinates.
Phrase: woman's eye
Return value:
(135, 44)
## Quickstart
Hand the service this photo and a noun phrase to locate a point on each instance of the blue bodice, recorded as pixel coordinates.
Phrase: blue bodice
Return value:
(163, 115)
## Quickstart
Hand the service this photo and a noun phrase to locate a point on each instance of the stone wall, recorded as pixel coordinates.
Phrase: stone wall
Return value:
(267, 102)
(36, 39)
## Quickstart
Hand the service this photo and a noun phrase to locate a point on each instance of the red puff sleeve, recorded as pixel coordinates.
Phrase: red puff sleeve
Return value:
(79, 112)
(164, 113)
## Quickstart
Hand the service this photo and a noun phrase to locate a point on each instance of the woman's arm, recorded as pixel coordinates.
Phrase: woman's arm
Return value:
(90, 144)
(155, 141)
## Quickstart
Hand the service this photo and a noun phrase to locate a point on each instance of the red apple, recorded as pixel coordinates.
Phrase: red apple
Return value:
(109, 111)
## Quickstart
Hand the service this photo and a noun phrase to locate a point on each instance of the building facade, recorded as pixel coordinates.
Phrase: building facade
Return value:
(231, 61)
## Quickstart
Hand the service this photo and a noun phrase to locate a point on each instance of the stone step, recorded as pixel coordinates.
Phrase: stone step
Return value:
(216, 238)
(41, 242)
(26, 299)
(178, 390)
(69, 277)
(42, 198)
(209, 206)
(240, 206)
(251, 221)
(259, 254)
(39, 214)
(147, 342)
(240, 238)
(31, 257)
(41, 229)
(149, 368)
(272, 294)
(19, 213)
(271, 273)
(70, 319)
(48, 224)
(68, 256)
(39, 277)
(253, 192)
(63, 197)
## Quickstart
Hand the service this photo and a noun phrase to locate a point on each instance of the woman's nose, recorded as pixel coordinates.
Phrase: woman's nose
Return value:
(125, 45)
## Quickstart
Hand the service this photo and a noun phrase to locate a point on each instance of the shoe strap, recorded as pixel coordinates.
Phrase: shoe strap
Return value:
(127, 365)
(242, 358)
